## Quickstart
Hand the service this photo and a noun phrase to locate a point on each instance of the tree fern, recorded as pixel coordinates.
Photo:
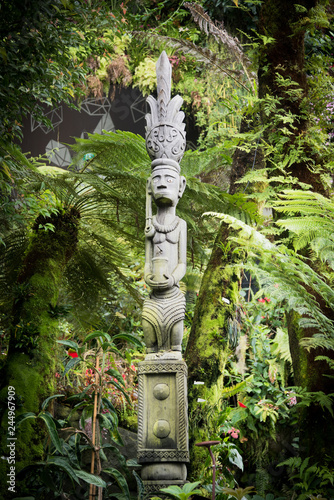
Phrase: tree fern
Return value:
(311, 220)
(283, 274)
(109, 194)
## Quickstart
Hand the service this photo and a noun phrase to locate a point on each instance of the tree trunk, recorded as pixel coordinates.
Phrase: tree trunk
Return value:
(31, 363)
(208, 345)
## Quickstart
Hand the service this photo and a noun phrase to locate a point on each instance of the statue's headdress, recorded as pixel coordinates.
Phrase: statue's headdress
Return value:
(165, 134)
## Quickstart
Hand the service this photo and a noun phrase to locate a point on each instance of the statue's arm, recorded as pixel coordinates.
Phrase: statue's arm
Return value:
(148, 260)
(181, 268)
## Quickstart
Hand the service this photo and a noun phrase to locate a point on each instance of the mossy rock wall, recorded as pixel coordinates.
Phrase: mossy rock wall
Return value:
(208, 346)
(31, 362)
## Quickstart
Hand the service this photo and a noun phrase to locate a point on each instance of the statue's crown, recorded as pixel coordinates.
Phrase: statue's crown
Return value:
(165, 134)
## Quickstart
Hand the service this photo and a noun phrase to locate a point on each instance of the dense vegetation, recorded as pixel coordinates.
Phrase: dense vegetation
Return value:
(259, 332)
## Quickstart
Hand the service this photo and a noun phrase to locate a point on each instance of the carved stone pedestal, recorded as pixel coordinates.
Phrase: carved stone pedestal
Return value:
(162, 422)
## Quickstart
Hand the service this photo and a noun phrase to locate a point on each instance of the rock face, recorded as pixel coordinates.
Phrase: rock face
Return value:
(162, 399)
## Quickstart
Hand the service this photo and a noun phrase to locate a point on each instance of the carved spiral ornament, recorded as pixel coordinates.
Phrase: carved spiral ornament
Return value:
(166, 141)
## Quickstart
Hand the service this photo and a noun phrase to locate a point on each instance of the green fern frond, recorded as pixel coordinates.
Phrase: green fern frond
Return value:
(318, 340)
(228, 392)
(327, 359)
(221, 36)
(201, 54)
(282, 274)
(281, 346)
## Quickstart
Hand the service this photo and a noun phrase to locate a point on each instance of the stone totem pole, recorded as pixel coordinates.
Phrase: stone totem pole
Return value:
(162, 403)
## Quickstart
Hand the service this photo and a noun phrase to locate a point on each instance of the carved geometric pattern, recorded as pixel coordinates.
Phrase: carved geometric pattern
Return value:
(182, 406)
(166, 141)
(162, 311)
(163, 456)
(162, 368)
(140, 436)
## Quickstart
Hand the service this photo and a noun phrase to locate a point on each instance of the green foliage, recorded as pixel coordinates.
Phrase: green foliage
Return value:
(310, 220)
(36, 55)
(238, 493)
(282, 274)
(309, 479)
(183, 493)
(63, 454)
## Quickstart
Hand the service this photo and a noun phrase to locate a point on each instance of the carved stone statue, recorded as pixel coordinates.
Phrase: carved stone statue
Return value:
(162, 378)
(165, 233)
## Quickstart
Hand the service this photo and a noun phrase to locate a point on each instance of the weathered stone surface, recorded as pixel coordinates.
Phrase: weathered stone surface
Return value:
(165, 232)
(162, 397)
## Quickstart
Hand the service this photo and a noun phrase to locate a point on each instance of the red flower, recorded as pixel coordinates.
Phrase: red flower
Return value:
(261, 300)
(268, 300)
(241, 405)
(73, 354)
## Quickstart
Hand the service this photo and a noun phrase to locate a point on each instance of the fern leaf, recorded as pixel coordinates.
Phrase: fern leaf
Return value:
(221, 36)
(203, 55)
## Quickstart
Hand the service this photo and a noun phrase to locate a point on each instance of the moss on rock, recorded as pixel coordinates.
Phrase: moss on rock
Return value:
(30, 365)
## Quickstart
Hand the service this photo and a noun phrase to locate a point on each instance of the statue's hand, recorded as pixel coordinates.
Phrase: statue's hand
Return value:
(160, 285)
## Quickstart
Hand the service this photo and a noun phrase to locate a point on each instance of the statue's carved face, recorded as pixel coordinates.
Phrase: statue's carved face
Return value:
(167, 186)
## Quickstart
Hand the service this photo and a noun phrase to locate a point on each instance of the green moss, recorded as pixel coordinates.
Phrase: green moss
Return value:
(30, 365)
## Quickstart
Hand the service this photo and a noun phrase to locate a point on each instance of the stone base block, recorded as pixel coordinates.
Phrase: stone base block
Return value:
(170, 471)
(162, 411)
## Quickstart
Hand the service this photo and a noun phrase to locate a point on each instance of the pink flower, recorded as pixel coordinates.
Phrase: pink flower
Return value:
(124, 377)
(57, 375)
(133, 368)
(234, 433)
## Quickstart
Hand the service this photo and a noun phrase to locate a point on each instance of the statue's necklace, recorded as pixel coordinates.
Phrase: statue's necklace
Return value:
(165, 229)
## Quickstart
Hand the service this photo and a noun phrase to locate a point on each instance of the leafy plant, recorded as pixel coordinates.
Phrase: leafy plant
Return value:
(238, 493)
(309, 479)
(183, 493)
(66, 443)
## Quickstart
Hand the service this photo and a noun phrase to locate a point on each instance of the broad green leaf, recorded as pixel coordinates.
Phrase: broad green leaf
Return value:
(90, 478)
(69, 343)
(71, 364)
(116, 384)
(172, 490)
(52, 430)
(129, 338)
(236, 459)
(119, 478)
(116, 437)
(105, 421)
(140, 485)
(189, 487)
(116, 374)
(46, 401)
(97, 334)
(24, 416)
(63, 464)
